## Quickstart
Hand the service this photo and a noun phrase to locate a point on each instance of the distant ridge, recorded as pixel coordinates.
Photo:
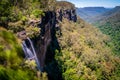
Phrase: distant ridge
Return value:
(111, 14)
(109, 23)
(88, 13)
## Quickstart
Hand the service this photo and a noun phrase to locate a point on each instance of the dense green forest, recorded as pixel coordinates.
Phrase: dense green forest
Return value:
(84, 52)
(110, 25)
(114, 32)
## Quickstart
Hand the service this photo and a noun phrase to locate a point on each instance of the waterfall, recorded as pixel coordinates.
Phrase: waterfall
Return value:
(27, 51)
(30, 54)
(36, 59)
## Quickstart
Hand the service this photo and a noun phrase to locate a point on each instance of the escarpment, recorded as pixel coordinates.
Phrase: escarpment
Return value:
(48, 25)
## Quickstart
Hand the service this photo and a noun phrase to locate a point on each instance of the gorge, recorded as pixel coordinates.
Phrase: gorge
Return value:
(46, 40)
(49, 23)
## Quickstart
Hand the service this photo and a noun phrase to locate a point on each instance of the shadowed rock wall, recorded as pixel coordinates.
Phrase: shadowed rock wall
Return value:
(49, 23)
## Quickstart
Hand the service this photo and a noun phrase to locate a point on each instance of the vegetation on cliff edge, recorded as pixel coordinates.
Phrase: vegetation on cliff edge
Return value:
(84, 54)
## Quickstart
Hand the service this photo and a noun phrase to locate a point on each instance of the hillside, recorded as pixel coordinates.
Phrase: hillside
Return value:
(88, 13)
(109, 23)
(84, 54)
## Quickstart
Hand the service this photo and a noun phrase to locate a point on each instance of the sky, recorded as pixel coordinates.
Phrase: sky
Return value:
(95, 3)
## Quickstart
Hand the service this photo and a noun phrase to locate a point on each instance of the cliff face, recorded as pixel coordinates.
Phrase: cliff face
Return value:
(70, 14)
(48, 25)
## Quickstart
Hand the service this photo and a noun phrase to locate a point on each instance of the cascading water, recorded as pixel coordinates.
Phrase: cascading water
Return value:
(27, 51)
(37, 62)
(30, 54)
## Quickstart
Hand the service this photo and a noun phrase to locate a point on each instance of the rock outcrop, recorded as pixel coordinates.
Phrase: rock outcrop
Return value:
(70, 14)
